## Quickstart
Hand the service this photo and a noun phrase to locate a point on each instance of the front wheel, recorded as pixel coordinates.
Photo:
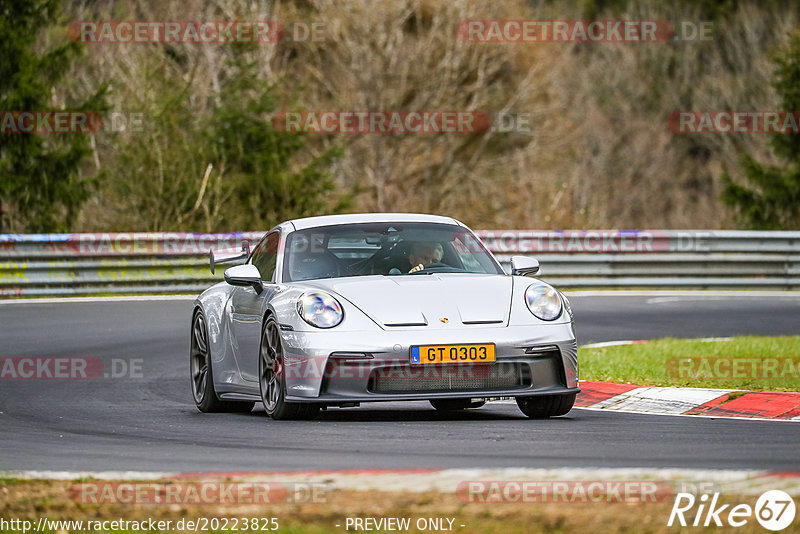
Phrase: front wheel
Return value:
(271, 378)
(546, 405)
(202, 374)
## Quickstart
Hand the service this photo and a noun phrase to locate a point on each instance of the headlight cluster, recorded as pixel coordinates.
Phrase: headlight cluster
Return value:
(567, 305)
(543, 301)
(320, 309)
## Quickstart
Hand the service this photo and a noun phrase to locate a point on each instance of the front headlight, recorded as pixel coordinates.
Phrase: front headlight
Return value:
(543, 301)
(319, 309)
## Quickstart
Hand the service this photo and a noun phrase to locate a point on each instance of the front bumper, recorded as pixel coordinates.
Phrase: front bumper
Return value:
(340, 367)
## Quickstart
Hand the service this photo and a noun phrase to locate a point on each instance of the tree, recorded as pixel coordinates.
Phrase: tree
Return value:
(269, 184)
(771, 198)
(213, 162)
(41, 189)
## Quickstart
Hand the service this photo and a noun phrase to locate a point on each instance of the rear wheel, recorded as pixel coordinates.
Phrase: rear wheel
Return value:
(271, 378)
(202, 373)
(546, 405)
(452, 405)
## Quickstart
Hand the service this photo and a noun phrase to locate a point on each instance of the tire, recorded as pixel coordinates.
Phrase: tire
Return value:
(271, 381)
(201, 373)
(452, 405)
(546, 405)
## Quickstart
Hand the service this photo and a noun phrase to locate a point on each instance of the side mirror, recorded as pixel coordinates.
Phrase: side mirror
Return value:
(524, 266)
(216, 257)
(245, 275)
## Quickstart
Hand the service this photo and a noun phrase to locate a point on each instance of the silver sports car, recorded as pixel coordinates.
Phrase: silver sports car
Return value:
(344, 309)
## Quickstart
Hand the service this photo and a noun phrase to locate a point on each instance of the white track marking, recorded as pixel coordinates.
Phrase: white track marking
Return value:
(607, 344)
(100, 475)
(661, 399)
(642, 341)
(696, 416)
(668, 293)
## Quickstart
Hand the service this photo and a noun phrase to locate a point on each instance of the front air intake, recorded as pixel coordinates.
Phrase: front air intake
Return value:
(445, 378)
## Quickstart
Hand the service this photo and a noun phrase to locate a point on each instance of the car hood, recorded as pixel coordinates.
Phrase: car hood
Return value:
(432, 300)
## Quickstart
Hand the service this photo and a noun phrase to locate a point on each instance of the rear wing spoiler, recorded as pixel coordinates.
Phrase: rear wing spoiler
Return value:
(229, 256)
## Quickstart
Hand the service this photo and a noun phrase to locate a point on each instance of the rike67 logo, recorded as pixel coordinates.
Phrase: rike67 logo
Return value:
(774, 510)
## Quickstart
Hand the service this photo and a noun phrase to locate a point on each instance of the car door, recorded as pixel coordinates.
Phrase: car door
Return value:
(247, 307)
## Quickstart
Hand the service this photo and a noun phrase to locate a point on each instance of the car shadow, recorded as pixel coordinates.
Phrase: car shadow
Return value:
(376, 413)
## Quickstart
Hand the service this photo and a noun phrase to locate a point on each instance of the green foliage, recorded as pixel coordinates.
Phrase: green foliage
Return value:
(216, 164)
(269, 186)
(787, 84)
(771, 198)
(209, 159)
(155, 174)
(40, 186)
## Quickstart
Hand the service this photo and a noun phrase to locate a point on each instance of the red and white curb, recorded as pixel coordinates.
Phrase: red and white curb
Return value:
(772, 405)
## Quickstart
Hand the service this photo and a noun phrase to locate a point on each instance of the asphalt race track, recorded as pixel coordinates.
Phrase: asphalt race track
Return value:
(150, 423)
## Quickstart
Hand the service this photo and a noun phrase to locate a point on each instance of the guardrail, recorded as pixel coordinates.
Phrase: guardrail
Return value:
(74, 264)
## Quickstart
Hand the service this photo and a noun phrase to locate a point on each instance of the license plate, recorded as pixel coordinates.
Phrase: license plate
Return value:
(431, 354)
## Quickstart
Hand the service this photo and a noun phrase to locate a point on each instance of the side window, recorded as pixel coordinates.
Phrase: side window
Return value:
(265, 256)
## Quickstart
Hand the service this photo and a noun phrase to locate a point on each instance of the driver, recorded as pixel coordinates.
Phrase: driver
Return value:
(422, 254)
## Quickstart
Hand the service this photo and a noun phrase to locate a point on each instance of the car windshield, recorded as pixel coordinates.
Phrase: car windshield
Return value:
(390, 249)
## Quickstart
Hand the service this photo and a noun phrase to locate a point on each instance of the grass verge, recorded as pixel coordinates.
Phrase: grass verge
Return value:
(47, 498)
(748, 362)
